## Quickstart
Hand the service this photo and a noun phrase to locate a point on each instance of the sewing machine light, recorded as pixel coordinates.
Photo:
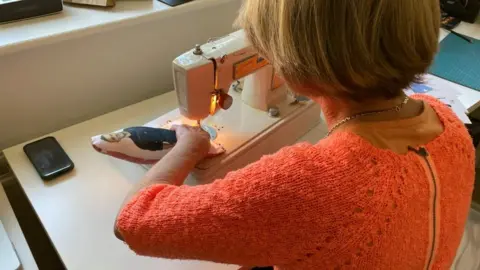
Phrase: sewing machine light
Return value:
(213, 103)
(219, 99)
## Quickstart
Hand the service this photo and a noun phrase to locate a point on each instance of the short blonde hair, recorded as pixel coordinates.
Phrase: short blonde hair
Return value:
(355, 49)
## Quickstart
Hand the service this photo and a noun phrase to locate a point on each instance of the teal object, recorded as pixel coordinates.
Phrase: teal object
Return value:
(458, 61)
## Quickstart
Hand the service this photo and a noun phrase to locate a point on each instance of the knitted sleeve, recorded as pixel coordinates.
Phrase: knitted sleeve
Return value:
(235, 220)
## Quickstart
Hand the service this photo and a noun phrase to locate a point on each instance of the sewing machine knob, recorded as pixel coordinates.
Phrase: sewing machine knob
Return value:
(198, 50)
(225, 101)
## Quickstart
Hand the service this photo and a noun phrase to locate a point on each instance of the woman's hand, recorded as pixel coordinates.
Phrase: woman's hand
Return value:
(194, 140)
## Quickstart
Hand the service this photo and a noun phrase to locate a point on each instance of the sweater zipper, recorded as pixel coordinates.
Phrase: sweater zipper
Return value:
(423, 153)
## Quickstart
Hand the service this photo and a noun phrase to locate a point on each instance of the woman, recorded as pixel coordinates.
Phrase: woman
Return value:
(388, 188)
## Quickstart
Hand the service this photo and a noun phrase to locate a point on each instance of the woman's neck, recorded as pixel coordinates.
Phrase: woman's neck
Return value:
(336, 109)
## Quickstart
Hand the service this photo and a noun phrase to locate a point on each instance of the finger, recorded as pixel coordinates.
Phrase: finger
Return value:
(215, 150)
(174, 127)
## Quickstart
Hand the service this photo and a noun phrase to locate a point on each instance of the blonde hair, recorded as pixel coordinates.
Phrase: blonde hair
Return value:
(357, 49)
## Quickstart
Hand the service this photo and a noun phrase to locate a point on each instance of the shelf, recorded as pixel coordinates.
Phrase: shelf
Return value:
(75, 21)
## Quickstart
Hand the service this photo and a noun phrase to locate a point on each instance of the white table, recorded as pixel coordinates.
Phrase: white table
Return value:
(78, 210)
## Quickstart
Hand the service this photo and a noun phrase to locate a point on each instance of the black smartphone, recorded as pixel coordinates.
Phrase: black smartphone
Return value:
(48, 158)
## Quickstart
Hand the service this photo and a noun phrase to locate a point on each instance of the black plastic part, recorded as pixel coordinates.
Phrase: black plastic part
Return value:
(174, 3)
(466, 10)
(24, 9)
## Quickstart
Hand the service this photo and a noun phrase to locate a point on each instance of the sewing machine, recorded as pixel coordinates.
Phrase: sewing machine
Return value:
(249, 119)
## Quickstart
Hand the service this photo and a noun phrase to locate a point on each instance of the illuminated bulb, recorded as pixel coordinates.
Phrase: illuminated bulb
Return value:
(213, 104)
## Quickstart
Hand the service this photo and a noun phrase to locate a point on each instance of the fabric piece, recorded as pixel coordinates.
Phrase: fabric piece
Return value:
(142, 145)
(341, 203)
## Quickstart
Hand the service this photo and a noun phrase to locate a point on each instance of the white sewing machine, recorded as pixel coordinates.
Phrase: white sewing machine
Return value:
(250, 121)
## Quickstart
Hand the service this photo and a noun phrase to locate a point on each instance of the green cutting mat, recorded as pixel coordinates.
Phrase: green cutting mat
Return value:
(458, 61)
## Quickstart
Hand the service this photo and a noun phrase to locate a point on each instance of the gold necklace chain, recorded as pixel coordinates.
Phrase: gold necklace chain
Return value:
(355, 116)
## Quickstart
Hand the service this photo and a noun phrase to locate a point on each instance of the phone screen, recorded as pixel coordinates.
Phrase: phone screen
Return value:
(48, 158)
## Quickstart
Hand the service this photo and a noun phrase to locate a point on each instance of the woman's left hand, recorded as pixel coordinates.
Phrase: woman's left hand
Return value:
(196, 141)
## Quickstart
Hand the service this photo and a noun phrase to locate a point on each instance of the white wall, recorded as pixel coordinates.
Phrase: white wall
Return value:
(54, 86)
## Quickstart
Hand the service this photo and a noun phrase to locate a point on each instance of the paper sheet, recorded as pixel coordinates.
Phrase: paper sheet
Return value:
(439, 89)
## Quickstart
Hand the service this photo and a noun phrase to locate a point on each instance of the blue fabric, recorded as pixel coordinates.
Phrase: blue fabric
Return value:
(152, 139)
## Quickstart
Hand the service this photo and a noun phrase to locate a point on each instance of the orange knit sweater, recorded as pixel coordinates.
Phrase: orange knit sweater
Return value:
(339, 204)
